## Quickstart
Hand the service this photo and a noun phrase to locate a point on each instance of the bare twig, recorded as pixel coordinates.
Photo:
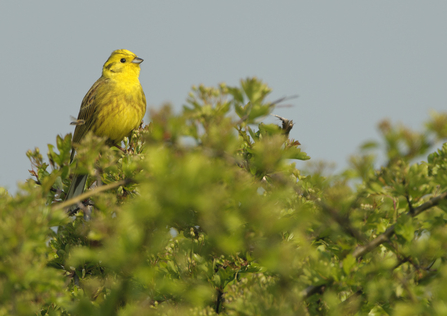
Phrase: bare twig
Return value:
(90, 193)
(284, 99)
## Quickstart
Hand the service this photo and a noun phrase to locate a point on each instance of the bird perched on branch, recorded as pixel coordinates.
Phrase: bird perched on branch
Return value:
(112, 108)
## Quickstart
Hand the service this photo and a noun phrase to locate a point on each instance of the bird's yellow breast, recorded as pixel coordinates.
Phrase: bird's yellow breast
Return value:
(122, 113)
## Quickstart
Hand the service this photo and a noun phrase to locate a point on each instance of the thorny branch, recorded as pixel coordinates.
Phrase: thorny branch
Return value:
(361, 251)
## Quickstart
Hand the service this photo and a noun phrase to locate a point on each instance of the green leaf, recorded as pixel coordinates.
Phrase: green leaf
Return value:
(405, 228)
(348, 264)
(369, 145)
(296, 153)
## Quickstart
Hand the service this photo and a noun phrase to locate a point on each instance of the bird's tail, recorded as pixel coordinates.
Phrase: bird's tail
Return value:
(76, 188)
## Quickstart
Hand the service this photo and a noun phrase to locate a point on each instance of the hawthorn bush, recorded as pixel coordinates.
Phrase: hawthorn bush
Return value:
(205, 213)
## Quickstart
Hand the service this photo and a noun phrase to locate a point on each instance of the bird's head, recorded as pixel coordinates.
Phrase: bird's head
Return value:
(122, 64)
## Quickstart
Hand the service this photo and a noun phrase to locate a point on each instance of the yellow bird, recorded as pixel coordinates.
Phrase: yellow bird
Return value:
(112, 108)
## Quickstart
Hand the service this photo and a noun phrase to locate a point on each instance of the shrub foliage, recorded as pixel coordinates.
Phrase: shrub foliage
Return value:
(205, 212)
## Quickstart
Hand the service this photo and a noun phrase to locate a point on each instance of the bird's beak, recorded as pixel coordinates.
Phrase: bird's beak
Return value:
(137, 60)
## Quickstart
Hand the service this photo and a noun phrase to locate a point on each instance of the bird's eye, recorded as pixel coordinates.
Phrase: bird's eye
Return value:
(123, 60)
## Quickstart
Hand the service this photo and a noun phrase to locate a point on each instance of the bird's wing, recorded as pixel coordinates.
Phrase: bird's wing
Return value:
(87, 111)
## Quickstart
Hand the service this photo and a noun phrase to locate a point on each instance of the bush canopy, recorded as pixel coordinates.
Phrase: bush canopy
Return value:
(205, 212)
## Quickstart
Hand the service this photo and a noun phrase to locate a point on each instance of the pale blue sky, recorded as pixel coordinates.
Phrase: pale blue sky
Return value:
(352, 63)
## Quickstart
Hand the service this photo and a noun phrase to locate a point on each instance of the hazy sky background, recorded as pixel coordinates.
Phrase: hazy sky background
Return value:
(352, 63)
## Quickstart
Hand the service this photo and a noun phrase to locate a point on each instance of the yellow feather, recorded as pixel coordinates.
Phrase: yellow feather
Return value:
(115, 104)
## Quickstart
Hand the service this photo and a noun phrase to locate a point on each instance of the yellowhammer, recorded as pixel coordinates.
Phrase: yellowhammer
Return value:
(112, 108)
